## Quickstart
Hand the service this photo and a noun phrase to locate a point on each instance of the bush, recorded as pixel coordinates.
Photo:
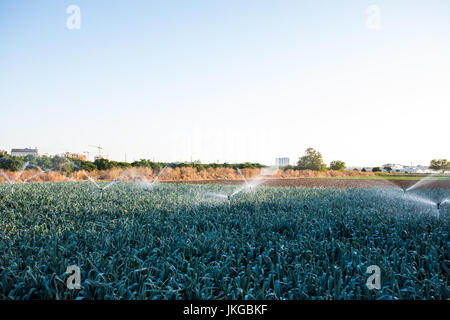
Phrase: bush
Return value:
(337, 165)
(11, 163)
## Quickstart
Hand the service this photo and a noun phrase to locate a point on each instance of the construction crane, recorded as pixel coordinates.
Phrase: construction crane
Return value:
(99, 150)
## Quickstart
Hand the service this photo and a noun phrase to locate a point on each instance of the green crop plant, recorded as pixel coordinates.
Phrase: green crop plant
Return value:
(173, 242)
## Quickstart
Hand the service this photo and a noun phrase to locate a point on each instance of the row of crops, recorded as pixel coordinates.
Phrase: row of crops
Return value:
(176, 242)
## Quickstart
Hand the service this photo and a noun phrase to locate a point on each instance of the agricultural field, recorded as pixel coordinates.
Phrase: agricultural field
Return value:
(186, 241)
(351, 182)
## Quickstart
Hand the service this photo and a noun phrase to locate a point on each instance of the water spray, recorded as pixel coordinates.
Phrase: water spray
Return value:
(17, 179)
(152, 183)
(8, 179)
(246, 186)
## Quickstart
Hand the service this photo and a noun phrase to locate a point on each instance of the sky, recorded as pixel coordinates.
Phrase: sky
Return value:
(228, 81)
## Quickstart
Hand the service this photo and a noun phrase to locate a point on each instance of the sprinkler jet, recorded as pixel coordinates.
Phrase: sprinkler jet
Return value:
(17, 178)
(151, 184)
(248, 185)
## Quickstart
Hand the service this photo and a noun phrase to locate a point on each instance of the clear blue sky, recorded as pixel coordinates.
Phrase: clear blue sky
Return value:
(246, 80)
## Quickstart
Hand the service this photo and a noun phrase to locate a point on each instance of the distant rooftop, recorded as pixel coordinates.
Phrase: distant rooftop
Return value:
(24, 150)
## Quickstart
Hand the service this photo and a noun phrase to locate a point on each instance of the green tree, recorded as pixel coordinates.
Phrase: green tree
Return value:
(312, 160)
(45, 162)
(387, 168)
(440, 164)
(376, 169)
(337, 165)
(83, 165)
(103, 164)
(11, 163)
(63, 164)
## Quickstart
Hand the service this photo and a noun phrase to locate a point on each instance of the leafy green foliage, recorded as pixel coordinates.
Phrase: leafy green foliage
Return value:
(174, 243)
(62, 164)
(11, 163)
(312, 160)
(440, 164)
(337, 165)
(195, 164)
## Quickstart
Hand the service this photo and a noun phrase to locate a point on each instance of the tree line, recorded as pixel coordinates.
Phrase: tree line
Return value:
(68, 165)
(311, 160)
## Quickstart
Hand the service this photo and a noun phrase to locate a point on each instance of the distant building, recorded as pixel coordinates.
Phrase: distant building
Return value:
(75, 156)
(24, 152)
(281, 162)
(47, 155)
(394, 166)
(417, 169)
(410, 169)
(101, 156)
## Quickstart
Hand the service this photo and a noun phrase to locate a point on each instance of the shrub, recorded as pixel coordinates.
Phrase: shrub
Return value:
(337, 165)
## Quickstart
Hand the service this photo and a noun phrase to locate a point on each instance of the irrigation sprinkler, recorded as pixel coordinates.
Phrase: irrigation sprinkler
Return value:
(152, 183)
(17, 176)
(37, 174)
(248, 185)
(408, 195)
(243, 177)
(7, 178)
(24, 166)
(427, 179)
(101, 188)
(16, 179)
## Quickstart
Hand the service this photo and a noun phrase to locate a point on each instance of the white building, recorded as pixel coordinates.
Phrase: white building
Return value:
(394, 166)
(409, 169)
(281, 162)
(101, 156)
(24, 152)
(417, 169)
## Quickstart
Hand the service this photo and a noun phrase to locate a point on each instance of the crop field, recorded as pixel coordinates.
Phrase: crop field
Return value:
(435, 183)
(185, 241)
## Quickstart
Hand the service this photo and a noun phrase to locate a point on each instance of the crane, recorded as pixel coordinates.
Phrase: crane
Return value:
(99, 149)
